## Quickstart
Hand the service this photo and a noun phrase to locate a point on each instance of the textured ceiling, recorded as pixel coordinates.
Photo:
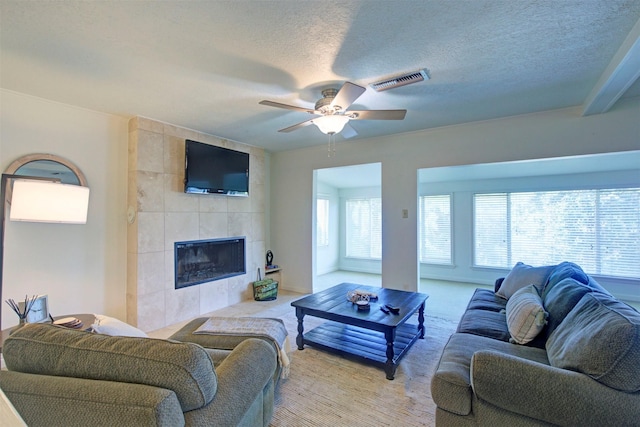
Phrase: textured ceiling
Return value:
(205, 65)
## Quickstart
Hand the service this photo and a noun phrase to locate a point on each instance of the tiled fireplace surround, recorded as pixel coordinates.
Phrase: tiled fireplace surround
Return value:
(160, 213)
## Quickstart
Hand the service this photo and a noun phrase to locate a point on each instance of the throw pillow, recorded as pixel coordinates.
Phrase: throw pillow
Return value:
(562, 271)
(525, 315)
(110, 326)
(522, 275)
(600, 337)
(561, 299)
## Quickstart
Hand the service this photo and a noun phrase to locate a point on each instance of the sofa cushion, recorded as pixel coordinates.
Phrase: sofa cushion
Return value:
(526, 316)
(522, 275)
(485, 323)
(561, 299)
(564, 270)
(485, 299)
(593, 284)
(600, 337)
(46, 349)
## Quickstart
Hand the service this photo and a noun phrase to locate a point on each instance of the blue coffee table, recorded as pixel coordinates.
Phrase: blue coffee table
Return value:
(370, 335)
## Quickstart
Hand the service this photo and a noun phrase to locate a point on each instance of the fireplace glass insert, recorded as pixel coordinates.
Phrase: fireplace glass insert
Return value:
(200, 261)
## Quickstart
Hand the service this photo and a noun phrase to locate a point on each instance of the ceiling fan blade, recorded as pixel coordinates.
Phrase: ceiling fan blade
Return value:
(286, 107)
(348, 131)
(296, 127)
(377, 114)
(347, 94)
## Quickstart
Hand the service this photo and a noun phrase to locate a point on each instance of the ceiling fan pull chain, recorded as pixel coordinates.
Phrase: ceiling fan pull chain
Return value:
(331, 146)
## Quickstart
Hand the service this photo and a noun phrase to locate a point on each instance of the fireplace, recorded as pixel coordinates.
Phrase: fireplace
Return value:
(200, 261)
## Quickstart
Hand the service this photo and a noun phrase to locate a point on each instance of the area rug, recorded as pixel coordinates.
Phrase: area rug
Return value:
(329, 390)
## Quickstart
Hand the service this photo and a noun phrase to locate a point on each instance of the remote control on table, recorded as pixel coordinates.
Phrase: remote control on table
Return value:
(391, 308)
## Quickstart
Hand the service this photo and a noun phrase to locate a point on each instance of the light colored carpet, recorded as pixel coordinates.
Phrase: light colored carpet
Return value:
(329, 390)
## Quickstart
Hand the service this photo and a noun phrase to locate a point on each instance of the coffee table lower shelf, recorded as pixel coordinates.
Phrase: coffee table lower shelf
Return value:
(348, 340)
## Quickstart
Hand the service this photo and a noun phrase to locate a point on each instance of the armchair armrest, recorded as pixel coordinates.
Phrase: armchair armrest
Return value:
(44, 400)
(555, 395)
(242, 378)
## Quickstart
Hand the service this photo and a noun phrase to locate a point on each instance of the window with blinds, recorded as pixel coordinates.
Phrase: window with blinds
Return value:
(597, 229)
(322, 222)
(364, 228)
(435, 229)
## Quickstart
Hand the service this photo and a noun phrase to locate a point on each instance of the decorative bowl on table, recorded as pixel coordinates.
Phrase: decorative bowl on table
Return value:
(355, 296)
(363, 304)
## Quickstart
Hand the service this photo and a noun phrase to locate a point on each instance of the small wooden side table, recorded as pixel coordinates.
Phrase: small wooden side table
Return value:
(86, 319)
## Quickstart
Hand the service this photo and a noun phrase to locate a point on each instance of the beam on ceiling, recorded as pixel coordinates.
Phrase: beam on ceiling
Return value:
(620, 74)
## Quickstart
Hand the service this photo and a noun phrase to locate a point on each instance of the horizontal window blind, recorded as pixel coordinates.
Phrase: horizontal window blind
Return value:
(597, 229)
(435, 229)
(491, 230)
(322, 222)
(364, 228)
(619, 233)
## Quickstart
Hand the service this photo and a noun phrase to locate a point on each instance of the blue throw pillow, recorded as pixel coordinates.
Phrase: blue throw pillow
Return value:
(564, 270)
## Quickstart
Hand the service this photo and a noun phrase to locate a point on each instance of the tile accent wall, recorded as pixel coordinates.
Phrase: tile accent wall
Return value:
(160, 213)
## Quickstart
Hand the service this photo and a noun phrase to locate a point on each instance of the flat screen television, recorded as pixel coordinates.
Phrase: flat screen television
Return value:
(215, 170)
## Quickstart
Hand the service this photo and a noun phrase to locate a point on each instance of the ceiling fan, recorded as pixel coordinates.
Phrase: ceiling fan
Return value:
(332, 112)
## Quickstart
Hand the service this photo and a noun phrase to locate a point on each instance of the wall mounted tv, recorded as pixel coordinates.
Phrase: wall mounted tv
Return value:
(215, 170)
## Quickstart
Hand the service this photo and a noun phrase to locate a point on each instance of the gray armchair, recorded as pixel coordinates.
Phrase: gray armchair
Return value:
(59, 376)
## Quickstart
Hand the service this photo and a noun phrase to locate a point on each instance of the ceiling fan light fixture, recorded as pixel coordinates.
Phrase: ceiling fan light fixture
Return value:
(331, 124)
(402, 80)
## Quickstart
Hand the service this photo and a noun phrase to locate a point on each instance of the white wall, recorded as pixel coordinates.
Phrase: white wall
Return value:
(327, 257)
(82, 268)
(542, 135)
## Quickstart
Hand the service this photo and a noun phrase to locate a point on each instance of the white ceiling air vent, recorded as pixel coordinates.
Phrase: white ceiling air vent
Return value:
(405, 79)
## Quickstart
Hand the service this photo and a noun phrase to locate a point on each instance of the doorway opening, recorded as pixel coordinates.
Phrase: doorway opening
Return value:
(347, 223)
